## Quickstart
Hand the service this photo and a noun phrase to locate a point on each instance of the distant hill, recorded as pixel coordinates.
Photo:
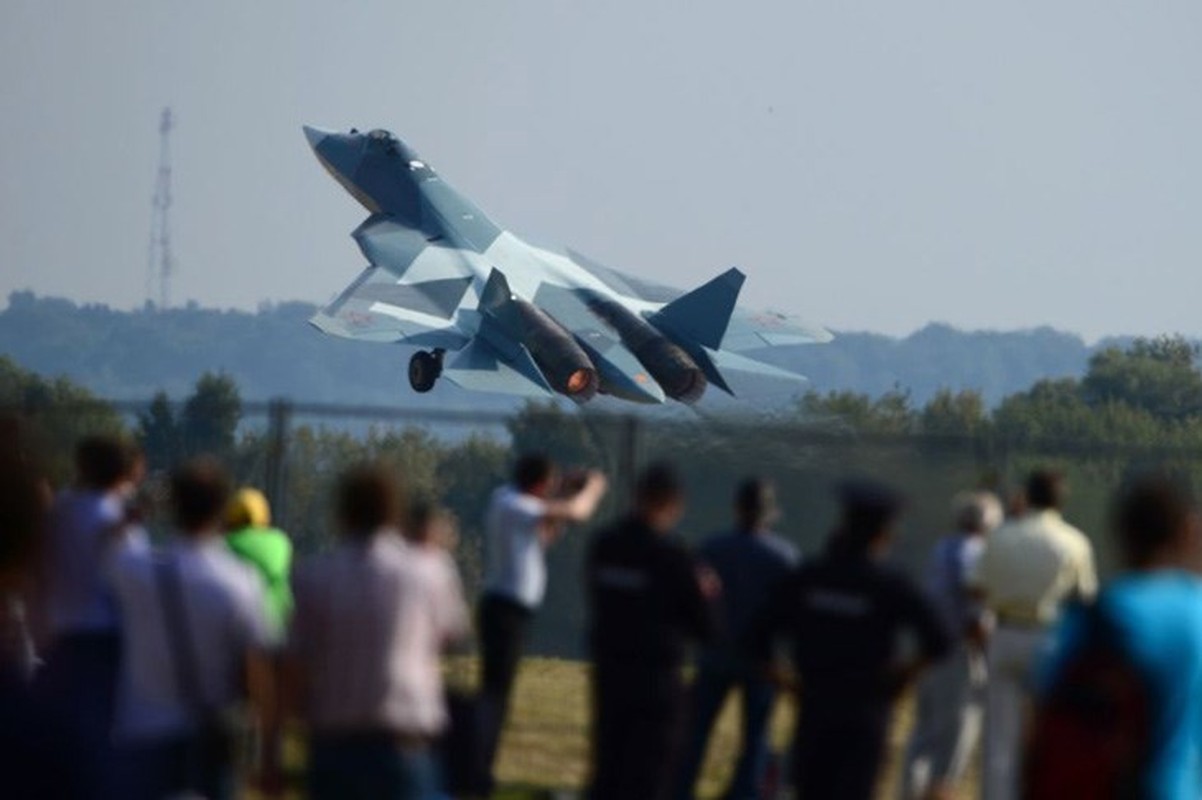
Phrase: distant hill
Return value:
(275, 353)
(937, 357)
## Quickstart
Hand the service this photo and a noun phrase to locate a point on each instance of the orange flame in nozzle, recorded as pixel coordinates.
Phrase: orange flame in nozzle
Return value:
(580, 381)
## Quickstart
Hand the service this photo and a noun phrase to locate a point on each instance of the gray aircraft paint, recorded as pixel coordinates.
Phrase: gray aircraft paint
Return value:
(443, 276)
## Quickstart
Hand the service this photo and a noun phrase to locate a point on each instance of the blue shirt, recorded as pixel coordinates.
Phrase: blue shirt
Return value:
(952, 561)
(1158, 616)
(750, 566)
(85, 529)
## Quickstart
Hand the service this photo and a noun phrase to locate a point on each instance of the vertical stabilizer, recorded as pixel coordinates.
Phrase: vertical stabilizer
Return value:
(703, 314)
(496, 292)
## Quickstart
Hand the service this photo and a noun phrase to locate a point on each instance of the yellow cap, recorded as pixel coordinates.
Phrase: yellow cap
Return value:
(248, 507)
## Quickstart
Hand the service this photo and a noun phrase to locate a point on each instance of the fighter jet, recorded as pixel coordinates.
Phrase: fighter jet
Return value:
(491, 312)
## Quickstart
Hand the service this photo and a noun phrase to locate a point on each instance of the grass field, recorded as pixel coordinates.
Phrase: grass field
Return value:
(545, 746)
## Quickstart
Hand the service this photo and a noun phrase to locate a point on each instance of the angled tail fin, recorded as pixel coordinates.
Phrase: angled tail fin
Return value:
(703, 314)
(496, 292)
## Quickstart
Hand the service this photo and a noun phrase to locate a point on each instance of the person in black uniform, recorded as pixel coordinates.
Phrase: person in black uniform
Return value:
(842, 613)
(647, 598)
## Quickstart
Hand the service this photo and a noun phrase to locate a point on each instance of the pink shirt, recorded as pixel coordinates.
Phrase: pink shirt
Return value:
(370, 625)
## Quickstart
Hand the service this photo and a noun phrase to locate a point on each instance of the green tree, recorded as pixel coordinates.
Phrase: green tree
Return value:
(565, 436)
(889, 414)
(951, 413)
(209, 422)
(59, 412)
(468, 474)
(1048, 410)
(414, 453)
(1159, 376)
(159, 433)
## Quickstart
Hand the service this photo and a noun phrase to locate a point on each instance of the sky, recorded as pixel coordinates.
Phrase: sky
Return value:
(870, 165)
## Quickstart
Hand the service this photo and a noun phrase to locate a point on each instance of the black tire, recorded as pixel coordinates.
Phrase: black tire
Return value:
(424, 369)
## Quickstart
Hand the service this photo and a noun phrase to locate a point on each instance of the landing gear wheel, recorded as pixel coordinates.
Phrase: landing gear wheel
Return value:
(424, 369)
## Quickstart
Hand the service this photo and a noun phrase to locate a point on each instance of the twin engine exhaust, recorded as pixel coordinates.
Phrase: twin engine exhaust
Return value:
(565, 365)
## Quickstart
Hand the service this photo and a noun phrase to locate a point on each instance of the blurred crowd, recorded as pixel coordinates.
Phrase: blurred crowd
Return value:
(183, 666)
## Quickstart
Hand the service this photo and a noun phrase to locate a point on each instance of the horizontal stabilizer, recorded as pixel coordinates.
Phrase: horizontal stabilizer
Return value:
(733, 362)
(703, 314)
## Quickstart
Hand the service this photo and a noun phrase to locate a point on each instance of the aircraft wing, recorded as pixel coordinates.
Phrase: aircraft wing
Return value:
(378, 307)
(754, 330)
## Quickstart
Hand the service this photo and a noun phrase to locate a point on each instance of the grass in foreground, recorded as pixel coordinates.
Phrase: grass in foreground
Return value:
(545, 747)
(546, 741)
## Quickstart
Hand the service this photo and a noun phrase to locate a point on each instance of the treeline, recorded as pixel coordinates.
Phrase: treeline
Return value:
(275, 353)
(1147, 394)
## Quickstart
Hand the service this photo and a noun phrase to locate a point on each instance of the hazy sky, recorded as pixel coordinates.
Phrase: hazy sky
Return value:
(869, 165)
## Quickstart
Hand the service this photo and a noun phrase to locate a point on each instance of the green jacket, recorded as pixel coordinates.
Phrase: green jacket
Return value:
(269, 551)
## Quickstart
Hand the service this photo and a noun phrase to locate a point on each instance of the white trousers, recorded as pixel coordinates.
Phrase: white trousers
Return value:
(951, 700)
(1013, 654)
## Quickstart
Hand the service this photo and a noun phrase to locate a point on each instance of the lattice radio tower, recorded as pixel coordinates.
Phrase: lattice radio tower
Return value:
(159, 262)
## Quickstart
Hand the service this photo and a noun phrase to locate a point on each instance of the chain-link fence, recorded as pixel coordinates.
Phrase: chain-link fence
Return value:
(295, 452)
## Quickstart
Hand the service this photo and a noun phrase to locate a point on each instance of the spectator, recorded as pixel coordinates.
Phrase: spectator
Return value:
(951, 696)
(1029, 567)
(194, 621)
(268, 550)
(432, 528)
(25, 500)
(843, 613)
(750, 562)
(372, 617)
(1136, 655)
(647, 599)
(433, 531)
(34, 745)
(74, 616)
(524, 518)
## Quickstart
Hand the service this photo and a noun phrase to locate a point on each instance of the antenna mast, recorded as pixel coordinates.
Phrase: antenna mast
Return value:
(159, 262)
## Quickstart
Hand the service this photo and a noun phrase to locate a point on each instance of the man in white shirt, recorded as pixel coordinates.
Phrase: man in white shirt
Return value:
(193, 619)
(524, 518)
(1029, 568)
(73, 615)
(372, 618)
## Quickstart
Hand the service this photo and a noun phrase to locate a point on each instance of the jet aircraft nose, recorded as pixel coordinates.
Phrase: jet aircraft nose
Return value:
(340, 153)
(315, 135)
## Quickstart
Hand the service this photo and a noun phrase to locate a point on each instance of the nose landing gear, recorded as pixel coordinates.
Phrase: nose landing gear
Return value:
(424, 369)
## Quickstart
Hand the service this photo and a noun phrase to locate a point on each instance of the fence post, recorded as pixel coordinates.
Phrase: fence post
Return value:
(279, 418)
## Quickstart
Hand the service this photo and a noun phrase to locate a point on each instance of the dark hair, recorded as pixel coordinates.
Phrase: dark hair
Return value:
(658, 486)
(1045, 489)
(370, 497)
(200, 490)
(102, 461)
(755, 501)
(868, 509)
(1149, 514)
(423, 513)
(531, 470)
